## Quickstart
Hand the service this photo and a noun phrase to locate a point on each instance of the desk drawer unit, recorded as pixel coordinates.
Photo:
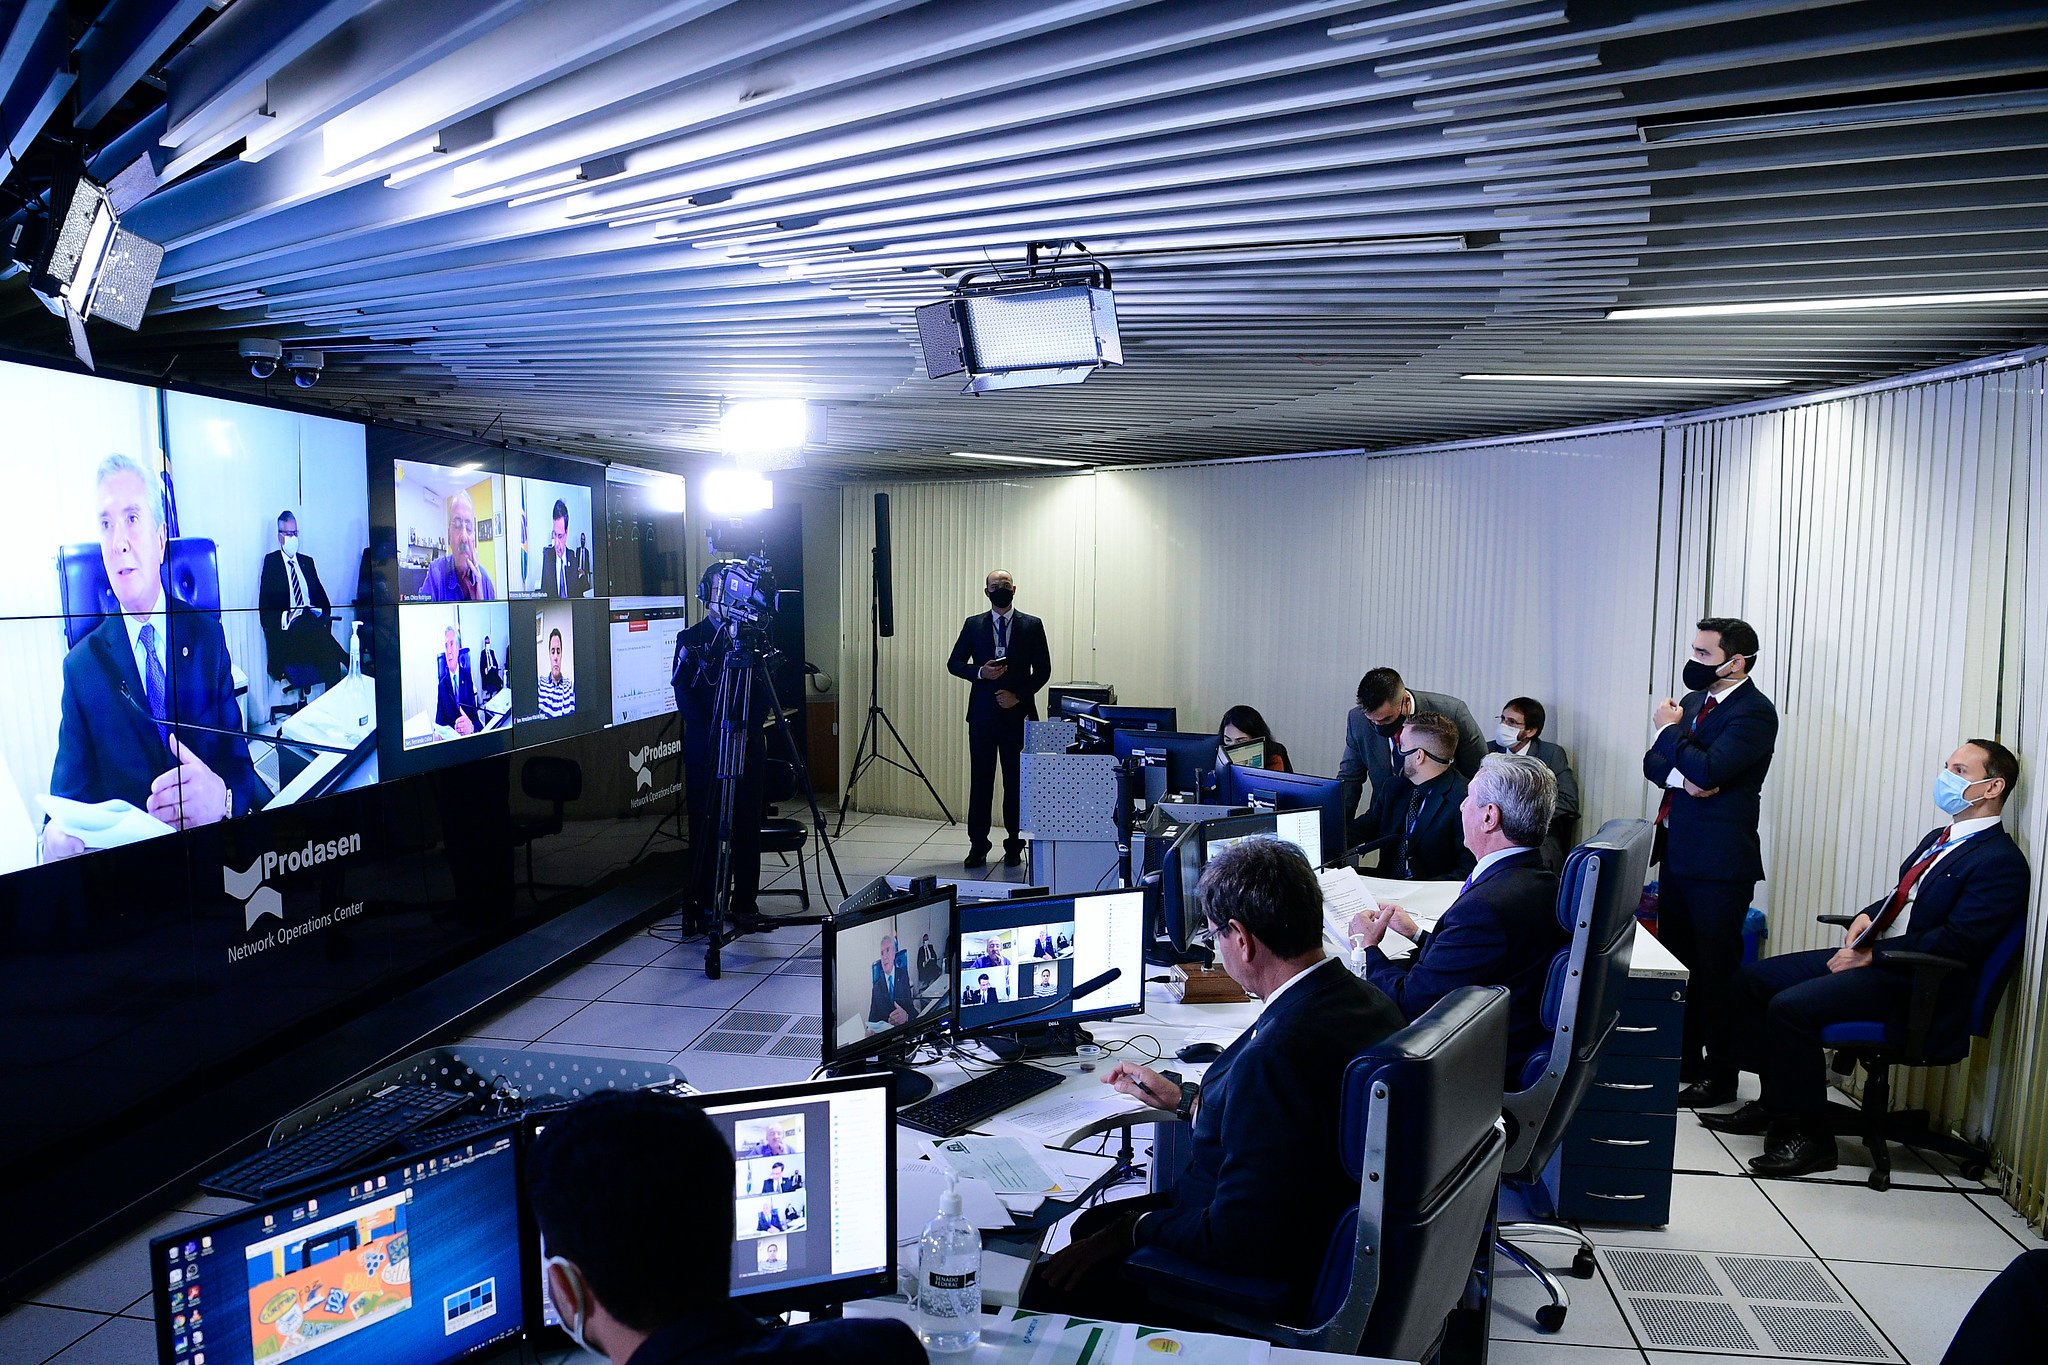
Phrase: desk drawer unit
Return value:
(1614, 1165)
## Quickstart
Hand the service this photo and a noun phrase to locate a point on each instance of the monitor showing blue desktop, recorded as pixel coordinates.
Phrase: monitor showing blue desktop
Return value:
(416, 1260)
(1018, 957)
(1263, 789)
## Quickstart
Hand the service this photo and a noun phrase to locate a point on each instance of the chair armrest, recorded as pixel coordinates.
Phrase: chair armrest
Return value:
(1929, 971)
(1117, 1123)
(1843, 921)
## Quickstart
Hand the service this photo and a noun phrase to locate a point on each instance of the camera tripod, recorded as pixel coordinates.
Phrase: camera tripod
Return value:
(868, 752)
(743, 666)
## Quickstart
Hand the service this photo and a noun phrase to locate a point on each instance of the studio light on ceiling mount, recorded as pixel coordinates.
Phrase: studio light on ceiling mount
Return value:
(765, 433)
(87, 265)
(1053, 324)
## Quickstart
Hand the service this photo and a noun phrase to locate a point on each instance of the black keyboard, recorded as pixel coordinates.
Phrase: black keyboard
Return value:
(956, 1110)
(468, 1125)
(348, 1138)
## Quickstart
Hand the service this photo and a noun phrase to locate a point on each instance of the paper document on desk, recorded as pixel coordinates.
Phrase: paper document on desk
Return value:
(1061, 1339)
(1056, 1121)
(1057, 1339)
(1005, 1163)
(921, 1184)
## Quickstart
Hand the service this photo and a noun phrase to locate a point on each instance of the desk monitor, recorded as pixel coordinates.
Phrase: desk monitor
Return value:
(1250, 753)
(417, 1260)
(1189, 760)
(1018, 956)
(1265, 790)
(1137, 717)
(1191, 853)
(873, 1005)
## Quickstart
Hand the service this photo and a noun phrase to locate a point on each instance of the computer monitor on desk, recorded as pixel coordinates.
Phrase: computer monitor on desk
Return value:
(417, 1260)
(1183, 762)
(1263, 789)
(889, 981)
(1021, 960)
(1181, 869)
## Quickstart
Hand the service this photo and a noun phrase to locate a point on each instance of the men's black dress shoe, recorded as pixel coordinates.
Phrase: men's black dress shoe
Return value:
(1706, 1095)
(1796, 1153)
(977, 856)
(1013, 855)
(1751, 1120)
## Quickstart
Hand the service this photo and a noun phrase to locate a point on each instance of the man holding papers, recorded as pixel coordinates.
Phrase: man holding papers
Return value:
(1959, 893)
(1502, 930)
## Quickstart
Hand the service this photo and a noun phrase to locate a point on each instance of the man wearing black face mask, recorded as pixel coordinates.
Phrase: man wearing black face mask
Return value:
(1710, 757)
(1372, 739)
(1003, 654)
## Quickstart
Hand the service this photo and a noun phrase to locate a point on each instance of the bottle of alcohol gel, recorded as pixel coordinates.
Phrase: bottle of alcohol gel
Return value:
(949, 1278)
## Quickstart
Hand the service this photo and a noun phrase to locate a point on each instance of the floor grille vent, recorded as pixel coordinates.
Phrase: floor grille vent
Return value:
(1785, 1306)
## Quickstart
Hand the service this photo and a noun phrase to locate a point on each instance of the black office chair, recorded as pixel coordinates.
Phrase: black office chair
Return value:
(557, 781)
(1878, 1047)
(1421, 1132)
(783, 836)
(1596, 902)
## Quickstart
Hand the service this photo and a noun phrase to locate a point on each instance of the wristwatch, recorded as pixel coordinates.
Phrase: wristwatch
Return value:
(1188, 1091)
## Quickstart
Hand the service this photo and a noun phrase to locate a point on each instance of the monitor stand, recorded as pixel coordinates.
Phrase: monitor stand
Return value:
(1162, 953)
(907, 1084)
(1059, 1039)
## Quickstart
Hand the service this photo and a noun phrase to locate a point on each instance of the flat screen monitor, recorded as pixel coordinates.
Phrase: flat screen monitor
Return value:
(417, 1260)
(1138, 717)
(1189, 760)
(887, 971)
(1265, 790)
(1018, 956)
(1250, 753)
(1190, 853)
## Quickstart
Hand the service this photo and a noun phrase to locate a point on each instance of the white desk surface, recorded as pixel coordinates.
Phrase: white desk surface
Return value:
(1427, 901)
(1001, 1340)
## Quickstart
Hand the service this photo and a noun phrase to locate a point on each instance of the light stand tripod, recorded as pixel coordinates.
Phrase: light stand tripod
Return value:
(743, 667)
(869, 751)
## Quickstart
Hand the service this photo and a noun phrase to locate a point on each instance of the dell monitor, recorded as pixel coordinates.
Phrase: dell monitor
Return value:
(1020, 959)
(1186, 762)
(417, 1260)
(1137, 717)
(814, 1195)
(1189, 854)
(889, 982)
(1263, 789)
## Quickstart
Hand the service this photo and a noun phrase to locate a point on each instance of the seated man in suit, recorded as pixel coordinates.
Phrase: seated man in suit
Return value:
(632, 1190)
(296, 614)
(1372, 740)
(489, 671)
(142, 671)
(768, 1220)
(1521, 732)
(1959, 892)
(1421, 840)
(982, 992)
(1502, 930)
(1265, 1183)
(927, 960)
(891, 1001)
(454, 690)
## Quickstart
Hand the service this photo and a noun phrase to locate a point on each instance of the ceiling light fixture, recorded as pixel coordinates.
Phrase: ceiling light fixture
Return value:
(87, 265)
(1047, 460)
(1668, 380)
(1841, 305)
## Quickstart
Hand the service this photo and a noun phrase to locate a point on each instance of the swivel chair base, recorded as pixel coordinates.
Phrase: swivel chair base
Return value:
(1550, 1317)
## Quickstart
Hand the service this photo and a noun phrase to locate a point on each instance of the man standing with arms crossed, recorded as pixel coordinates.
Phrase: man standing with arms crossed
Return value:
(1710, 757)
(1003, 653)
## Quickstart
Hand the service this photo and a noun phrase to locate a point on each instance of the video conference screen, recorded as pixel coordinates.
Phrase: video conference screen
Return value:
(891, 975)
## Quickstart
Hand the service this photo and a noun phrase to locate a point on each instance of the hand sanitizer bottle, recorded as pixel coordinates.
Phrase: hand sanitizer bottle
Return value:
(949, 1278)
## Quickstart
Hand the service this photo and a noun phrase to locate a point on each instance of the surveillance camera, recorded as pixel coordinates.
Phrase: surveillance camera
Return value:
(263, 357)
(305, 367)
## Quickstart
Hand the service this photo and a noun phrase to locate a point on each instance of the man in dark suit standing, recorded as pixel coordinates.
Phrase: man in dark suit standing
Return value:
(891, 1000)
(140, 673)
(561, 572)
(1003, 654)
(1520, 731)
(1959, 893)
(1502, 930)
(1265, 1181)
(1710, 757)
(1421, 839)
(296, 613)
(1372, 737)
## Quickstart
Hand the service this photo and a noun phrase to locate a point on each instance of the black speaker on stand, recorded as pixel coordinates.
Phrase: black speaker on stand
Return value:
(881, 622)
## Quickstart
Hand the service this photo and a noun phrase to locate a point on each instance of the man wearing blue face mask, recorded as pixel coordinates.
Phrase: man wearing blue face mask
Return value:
(1959, 893)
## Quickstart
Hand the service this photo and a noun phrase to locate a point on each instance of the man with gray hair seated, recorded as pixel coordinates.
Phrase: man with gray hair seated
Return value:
(1502, 930)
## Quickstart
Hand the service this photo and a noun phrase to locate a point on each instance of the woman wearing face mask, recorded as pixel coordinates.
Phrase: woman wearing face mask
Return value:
(1241, 723)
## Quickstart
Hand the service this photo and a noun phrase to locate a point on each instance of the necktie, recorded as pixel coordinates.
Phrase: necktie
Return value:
(154, 684)
(1408, 838)
(1002, 636)
(1897, 902)
(299, 602)
(561, 579)
(1706, 709)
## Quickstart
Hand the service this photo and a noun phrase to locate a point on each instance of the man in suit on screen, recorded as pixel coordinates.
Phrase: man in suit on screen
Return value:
(1003, 654)
(454, 690)
(561, 570)
(296, 613)
(155, 662)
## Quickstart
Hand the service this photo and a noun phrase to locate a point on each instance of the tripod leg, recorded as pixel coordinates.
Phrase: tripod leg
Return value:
(915, 766)
(803, 778)
(865, 754)
(734, 685)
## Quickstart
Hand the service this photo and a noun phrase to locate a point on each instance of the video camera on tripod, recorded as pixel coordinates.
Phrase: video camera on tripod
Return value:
(740, 592)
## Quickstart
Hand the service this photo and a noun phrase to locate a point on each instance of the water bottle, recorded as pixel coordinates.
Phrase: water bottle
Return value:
(949, 1278)
(355, 650)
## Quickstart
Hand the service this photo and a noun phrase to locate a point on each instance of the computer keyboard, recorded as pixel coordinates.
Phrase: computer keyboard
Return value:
(353, 1135)
(956, 1110)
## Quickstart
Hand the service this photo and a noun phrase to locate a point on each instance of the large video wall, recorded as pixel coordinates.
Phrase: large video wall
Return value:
(284, 697)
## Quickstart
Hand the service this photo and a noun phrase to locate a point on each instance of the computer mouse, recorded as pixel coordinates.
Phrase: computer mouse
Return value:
(1198, 1053)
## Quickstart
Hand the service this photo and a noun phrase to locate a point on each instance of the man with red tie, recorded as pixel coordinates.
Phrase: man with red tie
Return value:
(1958, 894)
(1710, 757)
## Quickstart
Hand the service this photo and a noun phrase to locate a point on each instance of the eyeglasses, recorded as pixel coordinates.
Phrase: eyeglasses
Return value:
(1204, 937)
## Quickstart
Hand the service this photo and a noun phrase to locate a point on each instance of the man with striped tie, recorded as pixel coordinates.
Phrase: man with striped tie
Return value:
(1958, 894)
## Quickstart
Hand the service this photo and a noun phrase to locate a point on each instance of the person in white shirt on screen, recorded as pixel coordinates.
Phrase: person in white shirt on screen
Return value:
(1047, 983)
(116, 739)
(557, 693)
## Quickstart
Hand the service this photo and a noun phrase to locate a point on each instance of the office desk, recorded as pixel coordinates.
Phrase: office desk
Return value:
(1004, 1339)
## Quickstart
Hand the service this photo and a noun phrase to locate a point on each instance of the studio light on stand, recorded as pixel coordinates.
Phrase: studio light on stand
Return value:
(1053, 324)
(86, 265)
(765, 433)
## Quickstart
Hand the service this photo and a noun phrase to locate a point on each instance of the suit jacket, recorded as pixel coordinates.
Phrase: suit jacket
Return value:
(274, 593)
(1714, 838)
(1502, 931)
(1369, 757)
(107, 745)
(726, 1336)
(1436, 850)
(1564, 823)
(571, 566)
(1265, 1183)
(457, 696)
(887, 993)
(1963, 906)
(487, 667)
(1030, 661)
